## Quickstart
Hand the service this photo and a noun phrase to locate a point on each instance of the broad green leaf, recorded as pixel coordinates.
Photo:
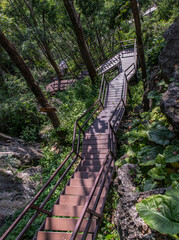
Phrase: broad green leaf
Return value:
(174, 193)
(171, 154)
(160, 135)
(157, 173)
(161, 213)
(130, 152)
(149, 185)
(135, 135)
(148, 154)
(174, 176)
(175, 185)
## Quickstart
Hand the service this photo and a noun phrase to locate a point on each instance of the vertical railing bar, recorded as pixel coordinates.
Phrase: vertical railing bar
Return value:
(97, 200)
(103, 92)
(74, 136)
(99, 97)
(79, 138)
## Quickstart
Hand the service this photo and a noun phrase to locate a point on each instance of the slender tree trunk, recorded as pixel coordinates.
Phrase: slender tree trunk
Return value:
(135, 12)
(51, 60)
(75, 19)
(44, 42)
(17, 59)
(2, 80)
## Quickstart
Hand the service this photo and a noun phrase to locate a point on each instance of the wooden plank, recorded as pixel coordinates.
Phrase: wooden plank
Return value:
(60, 236)
(66, 224)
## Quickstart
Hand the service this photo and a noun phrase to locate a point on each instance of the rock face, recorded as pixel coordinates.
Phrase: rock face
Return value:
(170, 105)
(20, 149)
(169, 57)
(17, 186)
(129, 224)
(169, 61)
(150, 85)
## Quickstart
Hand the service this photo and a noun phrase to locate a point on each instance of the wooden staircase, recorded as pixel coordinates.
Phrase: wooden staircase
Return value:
(71, 203)
(79, 210)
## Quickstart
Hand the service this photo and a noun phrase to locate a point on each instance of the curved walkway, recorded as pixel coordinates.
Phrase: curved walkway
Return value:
(78, 212)
(95, 148)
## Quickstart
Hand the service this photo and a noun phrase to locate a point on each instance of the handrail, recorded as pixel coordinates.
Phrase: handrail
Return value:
(113, 48)
(97, 104)
(111, 135)
(40, 209)
(79, 222)
(109, 50)
(122, 100)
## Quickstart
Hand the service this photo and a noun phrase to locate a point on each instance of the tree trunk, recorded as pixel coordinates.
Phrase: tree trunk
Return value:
(17, 59)
(139, 37)
(51, 60)
(2, 80)
(48, 53)
(75, 19)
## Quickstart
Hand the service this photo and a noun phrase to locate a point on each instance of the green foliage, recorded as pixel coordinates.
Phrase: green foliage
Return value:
(160, 135)
(136, 93)
(171, 154)
(107, 229)
(161, 212)
(149, 143)
(148, 155)
(166, 8)
(18, 114)
(74, 102)
(157, 173)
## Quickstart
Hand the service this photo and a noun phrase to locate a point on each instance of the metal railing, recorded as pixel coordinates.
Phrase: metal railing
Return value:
(116, 117)
(106, 168)
(114, 50)
(75, 150)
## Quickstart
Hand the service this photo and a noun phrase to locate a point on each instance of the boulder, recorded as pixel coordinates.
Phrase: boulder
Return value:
(17, 188)
(20, 174)
(169, 104)
(23, 152)
(169, 56)
(169, 62)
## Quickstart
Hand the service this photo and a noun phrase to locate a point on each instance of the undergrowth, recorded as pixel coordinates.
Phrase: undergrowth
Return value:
(108, 229)
(146, 140)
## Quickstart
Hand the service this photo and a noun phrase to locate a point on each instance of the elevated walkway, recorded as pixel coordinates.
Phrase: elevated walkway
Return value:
(78, 211)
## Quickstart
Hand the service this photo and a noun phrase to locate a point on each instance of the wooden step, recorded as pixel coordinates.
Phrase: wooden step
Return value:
(100, 156)
(95, 151)
(98, 136)
(88, 146)
(75, 182)
(78, 200)
(82, 191)
(67, 224)
(70, 210)
(60, 236)
(96, 142)
(81, 182)
(87, 168)
(92, 162)
(95, 148)
(80, 174)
